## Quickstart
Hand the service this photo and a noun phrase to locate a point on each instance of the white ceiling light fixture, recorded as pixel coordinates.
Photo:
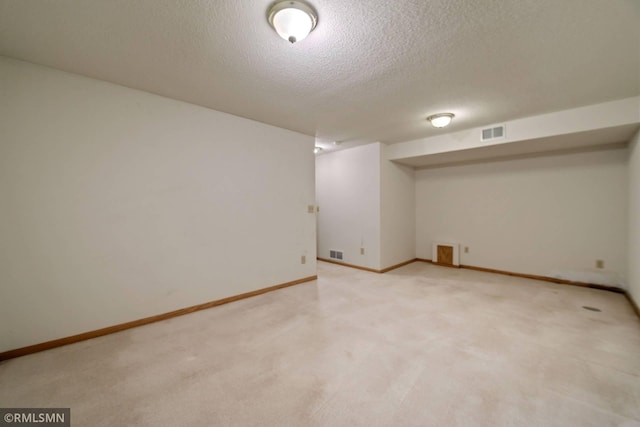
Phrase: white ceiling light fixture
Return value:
(317, 149)
(440, 120)
(292, 20)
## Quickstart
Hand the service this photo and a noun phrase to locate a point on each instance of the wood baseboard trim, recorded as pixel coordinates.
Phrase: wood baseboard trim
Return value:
(344, 264)
(23, 351)
(438, 263)
(372, 270)
(402, 264)
(615, 289)
(535, 277)
(547, 279)
(633, 303)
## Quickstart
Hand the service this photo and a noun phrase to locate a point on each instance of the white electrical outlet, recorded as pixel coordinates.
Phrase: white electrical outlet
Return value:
(361, 251)
(303, 259)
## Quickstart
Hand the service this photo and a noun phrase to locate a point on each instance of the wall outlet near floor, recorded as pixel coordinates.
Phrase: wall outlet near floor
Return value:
(466, 249)
(361, 251)
(599, 263)
(303, 259)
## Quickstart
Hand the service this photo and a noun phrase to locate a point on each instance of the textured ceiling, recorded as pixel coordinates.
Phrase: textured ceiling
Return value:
(371, 71)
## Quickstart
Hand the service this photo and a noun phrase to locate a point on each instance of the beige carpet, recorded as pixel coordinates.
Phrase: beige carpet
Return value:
(418, 346)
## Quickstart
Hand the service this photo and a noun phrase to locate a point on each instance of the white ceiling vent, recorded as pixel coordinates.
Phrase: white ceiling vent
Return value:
(497, 132)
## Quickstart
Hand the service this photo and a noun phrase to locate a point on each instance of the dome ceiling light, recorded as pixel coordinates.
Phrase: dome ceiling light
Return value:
(440, 120)
(292, 20)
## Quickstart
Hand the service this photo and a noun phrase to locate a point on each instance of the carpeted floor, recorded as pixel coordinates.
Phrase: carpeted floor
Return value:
(419, 346)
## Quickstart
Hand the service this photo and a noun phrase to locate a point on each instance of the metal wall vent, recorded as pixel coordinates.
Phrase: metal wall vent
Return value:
(497, 132)
(335, 254)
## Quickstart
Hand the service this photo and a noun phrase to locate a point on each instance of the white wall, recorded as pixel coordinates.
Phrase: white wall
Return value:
(398, 214)
(551, 216)
(593, 117)
(118, 205)
(634, 218)
(348, 194)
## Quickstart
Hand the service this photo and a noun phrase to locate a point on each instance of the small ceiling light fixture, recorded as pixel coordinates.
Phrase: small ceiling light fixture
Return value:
(440, 120)
(293, 20)
(317, 149)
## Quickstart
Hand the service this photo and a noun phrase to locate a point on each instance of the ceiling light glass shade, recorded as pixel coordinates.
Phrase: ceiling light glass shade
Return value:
(292, 20)
(317, 149)
(440, 120)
